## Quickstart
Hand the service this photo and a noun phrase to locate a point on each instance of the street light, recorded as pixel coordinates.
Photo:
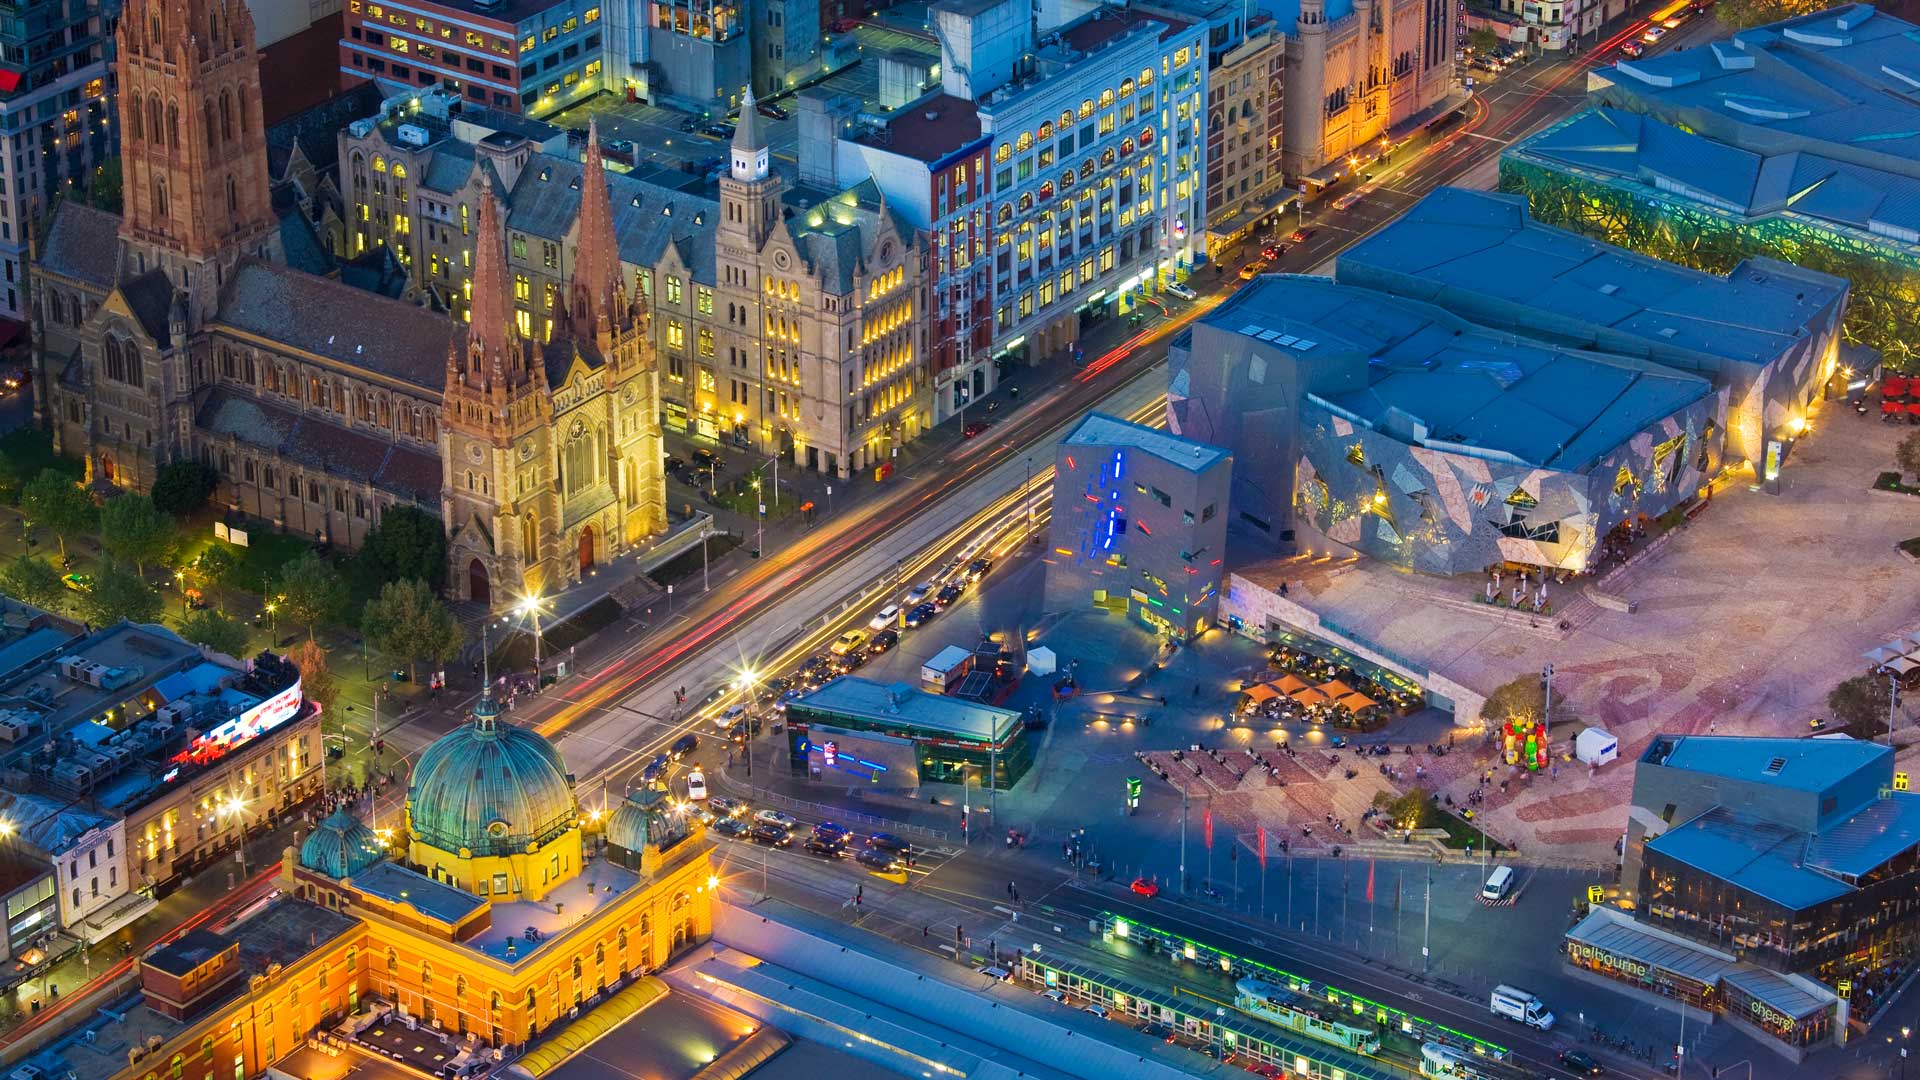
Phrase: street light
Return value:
(530, 608)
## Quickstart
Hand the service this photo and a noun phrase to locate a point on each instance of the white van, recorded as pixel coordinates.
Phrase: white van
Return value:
(1497, 884)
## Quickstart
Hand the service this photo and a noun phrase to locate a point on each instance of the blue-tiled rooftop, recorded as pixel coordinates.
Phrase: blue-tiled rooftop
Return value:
(1761, 857)
(1460, 241)
(1810, 765)
(1463, 385)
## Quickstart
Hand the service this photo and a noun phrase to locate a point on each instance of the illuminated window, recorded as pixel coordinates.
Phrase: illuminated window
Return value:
(521, 288)
(1003, 155)
(591, 15)
(524, 322)
(676, 334)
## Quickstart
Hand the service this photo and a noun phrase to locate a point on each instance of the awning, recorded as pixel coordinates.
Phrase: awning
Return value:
(1309, 696)
(1900, 665)
(1355, 701)
(603, 1018)
(1260, 692)
(1290, 683)
(1334, 688)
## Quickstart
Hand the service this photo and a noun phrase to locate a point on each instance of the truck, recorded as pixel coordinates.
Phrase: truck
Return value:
(1520, 1006)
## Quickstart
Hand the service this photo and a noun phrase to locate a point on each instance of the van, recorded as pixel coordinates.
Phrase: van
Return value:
(1520, 1006)
(1497, 884)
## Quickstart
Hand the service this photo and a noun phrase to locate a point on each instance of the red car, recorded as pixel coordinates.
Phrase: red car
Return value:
(974, 427)
(1300, 236)
(1272, 251)
(1145, 888)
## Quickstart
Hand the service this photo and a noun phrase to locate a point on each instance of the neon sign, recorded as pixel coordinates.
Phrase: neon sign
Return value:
(242, 729)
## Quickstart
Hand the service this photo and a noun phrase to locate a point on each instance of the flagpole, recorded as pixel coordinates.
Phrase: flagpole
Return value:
(1426, 931)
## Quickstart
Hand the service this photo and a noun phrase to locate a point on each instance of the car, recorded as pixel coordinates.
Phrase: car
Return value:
(684, 745)
(1156, 1031)
(830, 831)
(672, 464)
(770, 835)
(655, 771)
(885, 617)
(691, 124)
(1632, 50)
(788, 697)
(979, 568)
(1182, 291)
(1654, 34)
(774, 817)
(974, 428)
(730, 715)
(621, 147)
(1054, 995)
(848, 642)
(697, 785)
(850, 663)
(922, 615)
(1301, 236)
(918, 593)
(994, 971)
(739, 733)
(826, 849)
(717, 130)
(1143, 887)
(883, 641)
(732, 827)
(886, 841)
(1253, 270)
(877, 860)
(1094, 1008)
(1581, 1062)
(945, 597)
(726, 807)
(1271, 251)
(771, 111)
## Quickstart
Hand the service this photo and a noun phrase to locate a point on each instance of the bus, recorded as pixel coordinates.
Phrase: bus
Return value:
(1282, 1007)
(1354, 196)
(1672, 15)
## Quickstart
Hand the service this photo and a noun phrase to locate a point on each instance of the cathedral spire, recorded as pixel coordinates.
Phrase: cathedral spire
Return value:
(596, 258)
(491, 334)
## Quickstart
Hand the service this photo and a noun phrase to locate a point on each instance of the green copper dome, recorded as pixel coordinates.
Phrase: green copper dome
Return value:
(341, 846)
(490, 788)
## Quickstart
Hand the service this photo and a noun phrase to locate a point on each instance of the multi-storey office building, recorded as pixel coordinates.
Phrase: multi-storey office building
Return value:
(530, 56)
(57, 122)
(1095, 140)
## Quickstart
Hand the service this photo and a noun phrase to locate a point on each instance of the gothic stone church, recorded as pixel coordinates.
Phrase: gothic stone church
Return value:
(177, 331)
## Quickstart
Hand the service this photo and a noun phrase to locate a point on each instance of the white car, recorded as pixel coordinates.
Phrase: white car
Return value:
(696, 785)
(919, 593)
(729, 715)
(1182, 291)
(1654, 34)
(774, 817)
(885, 619)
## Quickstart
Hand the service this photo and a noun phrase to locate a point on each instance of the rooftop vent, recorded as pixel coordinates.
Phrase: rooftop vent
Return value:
(1773, 767)
(1609, 289)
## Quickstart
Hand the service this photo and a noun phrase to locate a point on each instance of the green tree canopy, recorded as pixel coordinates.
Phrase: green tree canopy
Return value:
(1524, 698)
(32, 580)
(317, 681)
(408, 624)
(215, 631)
(1906, 456)
(1741, 14)
(408, 543)
(184, 486)
(310, 590)
(1860, 704)
(214, 566)
(1483, 40)
(133, 529)
(53, 501)
(118, 593)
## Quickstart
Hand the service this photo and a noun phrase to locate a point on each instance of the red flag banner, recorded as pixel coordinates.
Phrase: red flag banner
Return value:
(1261, 834)
(1206, 826)
(1369, 881)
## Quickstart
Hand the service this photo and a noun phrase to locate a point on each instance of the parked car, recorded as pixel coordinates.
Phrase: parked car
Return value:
(884, 618)
(771, 111)
(922, 615)
(774, 817)
(718, 130)
(883, 641)
(974, 428)
(771, 835)
(1141, 886)
(1182, 291)
(994, 971)
(684, 745)
(691, 124)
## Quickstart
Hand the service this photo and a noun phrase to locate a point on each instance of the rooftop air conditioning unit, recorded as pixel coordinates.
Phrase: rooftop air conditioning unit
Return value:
(411, 134)
(360, 129)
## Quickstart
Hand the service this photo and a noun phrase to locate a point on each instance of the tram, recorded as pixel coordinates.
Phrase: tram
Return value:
(1282, 1007)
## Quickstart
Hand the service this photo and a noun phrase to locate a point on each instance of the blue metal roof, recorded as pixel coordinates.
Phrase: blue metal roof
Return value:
(490, 788)
(1532, 402)
(1487, 244)
(1099, 429)
(1759, 856)
(1812, 765)
(1870, 839)
(406, 887)
(898, 703)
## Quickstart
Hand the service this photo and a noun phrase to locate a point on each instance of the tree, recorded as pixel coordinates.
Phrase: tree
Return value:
(310, 590)
(317, 682)
(407, 623)
(214, 567)
(1483, 40)
(215, 631)
(103, 188)
(32, 580)
(133, 529)
(1741, 14)
(54, 501)
(408, 543)
(1860, 704)
(1906, 456)
(184, 486)
(118, 593)
(1412, 810)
